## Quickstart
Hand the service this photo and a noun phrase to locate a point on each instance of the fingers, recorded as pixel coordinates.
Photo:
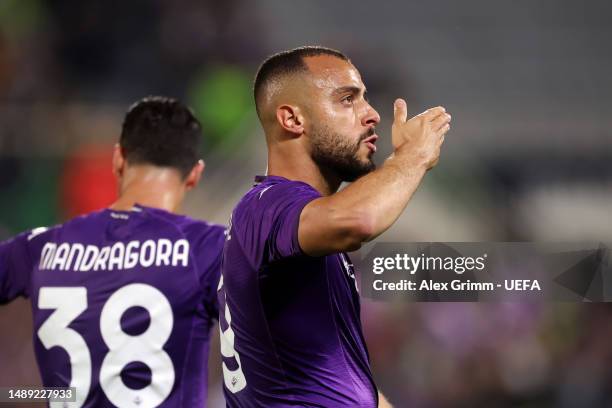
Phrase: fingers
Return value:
(443, 130)
(440, 121)
(441, 139)
(400, 111)
(431, 113)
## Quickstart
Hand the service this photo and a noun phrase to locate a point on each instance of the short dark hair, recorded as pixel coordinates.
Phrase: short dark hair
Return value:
(163, 132)
(288, 62)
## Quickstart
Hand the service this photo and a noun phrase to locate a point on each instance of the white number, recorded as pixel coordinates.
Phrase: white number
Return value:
(234, 379)
(146, 347)
(68, 304)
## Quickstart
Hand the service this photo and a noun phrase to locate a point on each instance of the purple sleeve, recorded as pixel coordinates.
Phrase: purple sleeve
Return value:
(283, 237)
(268, 222)
(15, 265)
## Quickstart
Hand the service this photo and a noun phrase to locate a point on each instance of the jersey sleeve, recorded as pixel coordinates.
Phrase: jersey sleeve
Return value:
(15, 268)
(269, 227)
(283, 237)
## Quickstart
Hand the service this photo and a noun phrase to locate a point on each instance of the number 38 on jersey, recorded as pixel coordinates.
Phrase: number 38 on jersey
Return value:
(68, 303)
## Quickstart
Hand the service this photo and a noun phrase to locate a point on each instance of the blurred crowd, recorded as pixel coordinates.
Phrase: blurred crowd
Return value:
(529, 157)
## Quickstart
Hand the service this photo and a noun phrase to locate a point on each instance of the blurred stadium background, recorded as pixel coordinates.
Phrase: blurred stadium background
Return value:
(529, 157)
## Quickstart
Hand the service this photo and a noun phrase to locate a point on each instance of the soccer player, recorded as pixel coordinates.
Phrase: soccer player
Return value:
(124, 298)
(290, 318)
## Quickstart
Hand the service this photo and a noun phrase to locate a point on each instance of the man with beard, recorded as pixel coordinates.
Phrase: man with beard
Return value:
(290, 328)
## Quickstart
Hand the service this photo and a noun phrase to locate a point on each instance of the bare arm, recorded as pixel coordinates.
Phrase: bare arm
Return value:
(383, 402)
(370, 205)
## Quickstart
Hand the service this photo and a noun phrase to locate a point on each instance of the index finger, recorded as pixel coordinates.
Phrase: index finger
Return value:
(432, 113)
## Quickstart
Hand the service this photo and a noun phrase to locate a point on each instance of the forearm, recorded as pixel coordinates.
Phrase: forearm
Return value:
(382, 195)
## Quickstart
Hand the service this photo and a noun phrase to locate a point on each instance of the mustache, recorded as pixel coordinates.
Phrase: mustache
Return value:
(367, 134)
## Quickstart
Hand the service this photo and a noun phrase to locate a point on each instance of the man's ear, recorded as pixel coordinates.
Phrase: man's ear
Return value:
(193, 178)
(291, 119)
(118, 162)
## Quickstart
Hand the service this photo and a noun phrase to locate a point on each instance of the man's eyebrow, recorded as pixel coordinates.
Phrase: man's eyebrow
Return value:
(349, 89)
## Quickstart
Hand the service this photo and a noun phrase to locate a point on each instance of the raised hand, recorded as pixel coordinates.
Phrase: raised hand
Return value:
(422, 135)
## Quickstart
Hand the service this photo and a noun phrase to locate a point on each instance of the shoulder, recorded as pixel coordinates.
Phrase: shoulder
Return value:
(196, 230)
(26, 246)
(48, 232)
(77, 225)
(264, 223)
(204, 239)
(274, 193)
(186, 226)
(39, 235)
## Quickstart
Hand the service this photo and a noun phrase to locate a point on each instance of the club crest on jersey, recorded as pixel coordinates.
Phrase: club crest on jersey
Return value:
(349, 269)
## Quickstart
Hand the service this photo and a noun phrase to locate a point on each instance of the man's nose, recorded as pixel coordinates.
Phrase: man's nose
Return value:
(371, 117)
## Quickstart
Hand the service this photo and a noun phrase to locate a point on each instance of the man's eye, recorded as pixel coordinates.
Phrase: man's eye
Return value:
(348, 99)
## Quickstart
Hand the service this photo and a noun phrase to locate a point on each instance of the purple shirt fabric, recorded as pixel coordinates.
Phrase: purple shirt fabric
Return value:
(290, 323)
(122, 302)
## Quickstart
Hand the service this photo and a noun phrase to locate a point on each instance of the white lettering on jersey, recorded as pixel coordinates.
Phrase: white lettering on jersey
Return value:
(78, 257)
(100, 263)
(147, 253)
(164, 250)
(91, 253)
(60, 256)
(117, 253)
(46, 255)
(180, 252)
(73, 251)
(131, 255)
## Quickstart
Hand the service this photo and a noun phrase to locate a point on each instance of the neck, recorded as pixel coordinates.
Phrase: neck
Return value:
(151, 187)
(296, 164)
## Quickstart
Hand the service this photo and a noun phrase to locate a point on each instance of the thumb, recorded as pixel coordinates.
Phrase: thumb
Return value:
(400, 111)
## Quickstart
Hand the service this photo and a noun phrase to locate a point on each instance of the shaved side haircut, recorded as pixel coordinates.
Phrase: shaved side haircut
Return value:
(287, 63)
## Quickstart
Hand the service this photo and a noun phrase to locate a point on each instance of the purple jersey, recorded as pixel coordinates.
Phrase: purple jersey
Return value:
(123, 303)
(290, 327)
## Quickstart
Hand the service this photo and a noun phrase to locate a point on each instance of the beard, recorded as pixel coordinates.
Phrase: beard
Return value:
(337, 154)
